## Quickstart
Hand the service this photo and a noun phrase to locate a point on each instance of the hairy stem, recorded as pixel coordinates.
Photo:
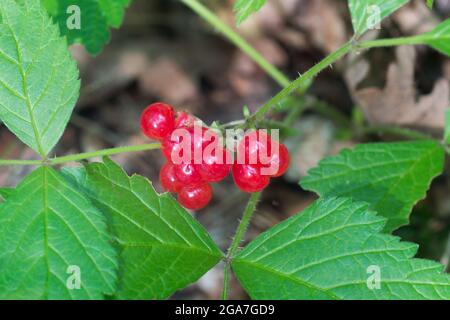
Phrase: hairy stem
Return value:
(104, 152)
(80, 156)
(301, 81)
(5, 162)
(415, 40)
(237, 40)
(238, 237)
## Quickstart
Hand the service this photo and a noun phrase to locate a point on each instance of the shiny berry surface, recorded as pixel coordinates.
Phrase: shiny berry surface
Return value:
(184, 119)
(248, 178)
(158, 121)
(195, 197)
(188, 143)
(215, 166)
(280, 160)
(255, 148)
(187, 174)
(168, 179)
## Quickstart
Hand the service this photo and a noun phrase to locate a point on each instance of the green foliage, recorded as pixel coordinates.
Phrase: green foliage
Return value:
(96, 18)
(329, 251)
(439, 37)
(244, 8)
(162, 248)
(46, 226)
(37, 94)
(391, 177)
(5, 193)
(430, 3)
(364, 13)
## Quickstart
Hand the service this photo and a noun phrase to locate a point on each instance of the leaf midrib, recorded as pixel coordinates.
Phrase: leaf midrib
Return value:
(169, 245)
(287, 276)
(26, 94)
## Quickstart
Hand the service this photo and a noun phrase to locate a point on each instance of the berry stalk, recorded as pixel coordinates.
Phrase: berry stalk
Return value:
(238, 238)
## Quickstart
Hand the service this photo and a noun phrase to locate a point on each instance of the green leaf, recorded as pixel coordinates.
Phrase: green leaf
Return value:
(334, 250)
(89, 22)
(430, 3)
(438, 38)
(391, 177)
(5, 192)
(48, 230)
(447, 127)
(39, 83)
(244, 8)
(367, 13)
(162, 247)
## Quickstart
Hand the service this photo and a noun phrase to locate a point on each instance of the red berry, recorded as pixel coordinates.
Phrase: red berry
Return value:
(214, 167)
(184, 119)
(187, 174)
(173, 144)
(248, 178)
(255, 148)
(193, 140)
(278, 162)
(157, 121)
(201, 138)
(195, 197)
(168, 179)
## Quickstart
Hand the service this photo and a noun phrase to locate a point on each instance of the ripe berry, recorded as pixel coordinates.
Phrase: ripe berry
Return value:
(248, 178)
(214, 167)
(187, 174)
(280, 160)
(157, 121)
(184, 119)
(173, 143)
(168, 179)
(202, 137)
(195, 138)
(255, 148)
(195, 197)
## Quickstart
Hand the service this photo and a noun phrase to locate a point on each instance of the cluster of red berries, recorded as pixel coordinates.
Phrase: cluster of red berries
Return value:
(190, 177)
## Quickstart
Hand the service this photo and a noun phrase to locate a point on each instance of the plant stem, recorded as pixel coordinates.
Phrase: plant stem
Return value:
(235, 38)
(415, 40)
(238, 237)
(104, 152)
(5, 162)
(301, 80)
(226, 281)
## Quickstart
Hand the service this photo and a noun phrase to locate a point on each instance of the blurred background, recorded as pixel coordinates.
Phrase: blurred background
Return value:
(165, 52)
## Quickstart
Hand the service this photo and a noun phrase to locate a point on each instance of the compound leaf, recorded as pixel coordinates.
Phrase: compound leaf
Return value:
(391, 177)
(368, 13)
(51, 236)
(334, 250)
(162, 247)
(37, 93)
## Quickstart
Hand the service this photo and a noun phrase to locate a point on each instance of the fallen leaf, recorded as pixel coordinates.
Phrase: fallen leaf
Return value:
(397, 103)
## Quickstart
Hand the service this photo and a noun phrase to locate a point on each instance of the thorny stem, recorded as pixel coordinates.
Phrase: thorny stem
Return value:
(301, 81)
(13, 162)
(82, 156)
(415, 40)
(238, 237)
